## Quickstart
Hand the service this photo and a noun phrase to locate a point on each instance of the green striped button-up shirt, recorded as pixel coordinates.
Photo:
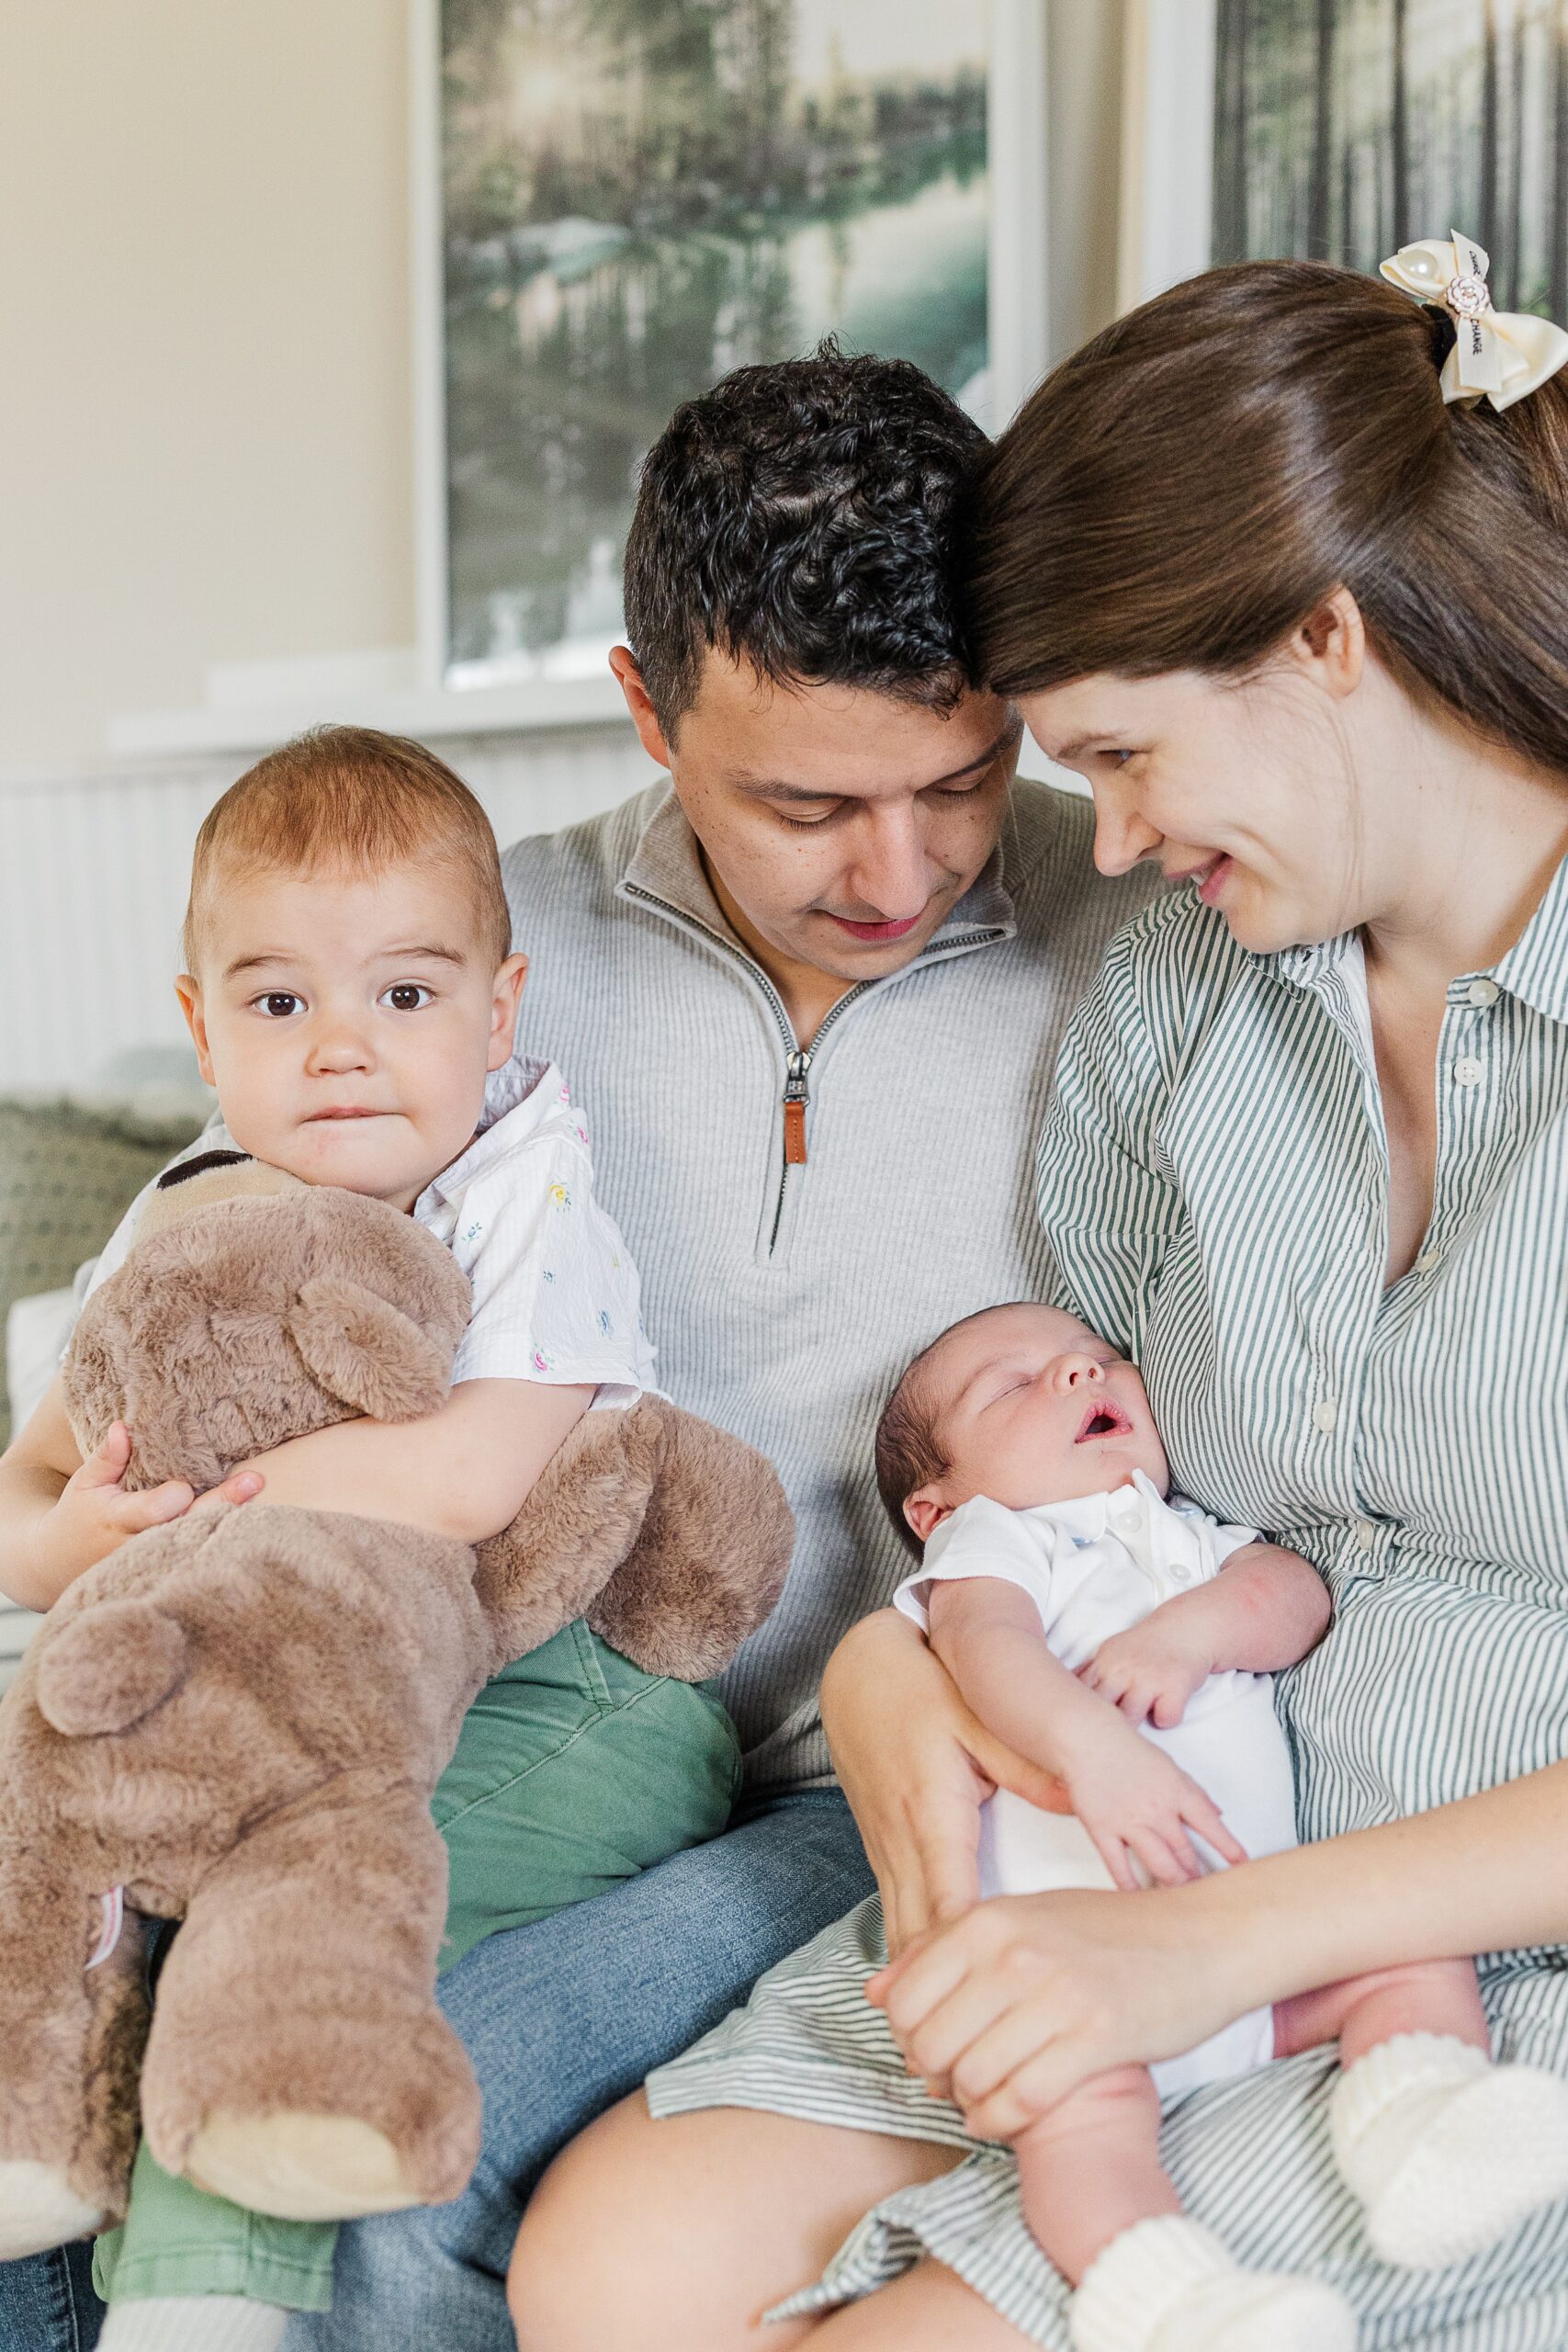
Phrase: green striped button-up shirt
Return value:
(1214, 1179)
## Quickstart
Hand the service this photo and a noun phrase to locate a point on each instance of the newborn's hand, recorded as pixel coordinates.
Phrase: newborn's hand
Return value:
(1152, 1670)
(1139, 1808)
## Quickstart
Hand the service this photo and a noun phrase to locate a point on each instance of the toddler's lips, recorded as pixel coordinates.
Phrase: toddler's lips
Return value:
(1103, 1418)
(348, 1112)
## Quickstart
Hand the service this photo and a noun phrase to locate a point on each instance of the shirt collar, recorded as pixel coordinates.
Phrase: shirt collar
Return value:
(667, 867)
(1535, 968)
(1086, 1518)
(518, 1085)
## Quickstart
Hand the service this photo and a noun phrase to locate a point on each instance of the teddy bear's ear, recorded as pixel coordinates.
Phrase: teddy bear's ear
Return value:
(367, 1352)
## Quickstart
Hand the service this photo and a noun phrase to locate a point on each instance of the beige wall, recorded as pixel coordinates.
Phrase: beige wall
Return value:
(204, 375)
(205, 449)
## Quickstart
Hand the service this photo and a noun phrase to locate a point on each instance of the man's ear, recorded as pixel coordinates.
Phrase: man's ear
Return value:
(925, 1512)
(644, 719)
(189, 990)
(1330, 645)
(504, 1001)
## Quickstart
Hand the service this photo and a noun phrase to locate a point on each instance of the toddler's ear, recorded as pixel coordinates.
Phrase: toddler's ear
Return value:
(367, 1352)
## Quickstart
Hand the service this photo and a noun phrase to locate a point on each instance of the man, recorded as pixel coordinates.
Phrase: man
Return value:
(809, 993)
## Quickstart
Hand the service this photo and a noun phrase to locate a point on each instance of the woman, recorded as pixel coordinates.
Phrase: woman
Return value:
(1301, 621)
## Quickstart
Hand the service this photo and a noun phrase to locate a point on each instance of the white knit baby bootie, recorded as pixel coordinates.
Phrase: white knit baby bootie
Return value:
(1169, 2285)
(1446, 2150)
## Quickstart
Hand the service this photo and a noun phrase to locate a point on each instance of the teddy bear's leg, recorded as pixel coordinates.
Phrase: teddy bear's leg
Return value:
(298, 2063)
(70, 2044)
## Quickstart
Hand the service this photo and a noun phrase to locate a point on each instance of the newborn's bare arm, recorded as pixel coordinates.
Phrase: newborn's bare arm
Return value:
(1265, 1610)
(1136, 1804)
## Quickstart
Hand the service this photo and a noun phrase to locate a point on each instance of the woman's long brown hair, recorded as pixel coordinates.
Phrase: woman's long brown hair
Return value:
(1190, 487)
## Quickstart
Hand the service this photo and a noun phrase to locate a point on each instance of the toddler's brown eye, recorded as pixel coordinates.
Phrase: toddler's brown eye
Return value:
(407, 996)
(278, 1003)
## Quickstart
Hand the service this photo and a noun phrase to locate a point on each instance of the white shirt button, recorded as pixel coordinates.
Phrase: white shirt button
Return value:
(1179, 1573)
(1467, 1072)
(1325, 1414)
(1484, 993)
(1429, 1261)
(1366, 1536)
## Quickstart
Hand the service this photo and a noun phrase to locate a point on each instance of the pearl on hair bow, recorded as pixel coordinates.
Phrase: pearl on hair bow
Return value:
(1498, 354)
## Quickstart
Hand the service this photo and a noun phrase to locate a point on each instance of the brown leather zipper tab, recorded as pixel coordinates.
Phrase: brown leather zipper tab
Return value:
(794, 1134)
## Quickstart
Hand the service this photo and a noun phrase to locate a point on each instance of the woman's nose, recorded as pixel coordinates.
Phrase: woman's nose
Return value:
(1121, 837)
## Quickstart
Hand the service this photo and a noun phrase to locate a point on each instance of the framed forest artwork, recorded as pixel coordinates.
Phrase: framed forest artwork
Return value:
(623, 199)
(1342, 129)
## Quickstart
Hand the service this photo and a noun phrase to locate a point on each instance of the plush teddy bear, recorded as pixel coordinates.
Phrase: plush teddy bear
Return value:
(238, 1719)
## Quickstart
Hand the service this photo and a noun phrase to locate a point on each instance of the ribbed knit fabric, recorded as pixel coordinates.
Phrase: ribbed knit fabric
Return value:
(1167, 2285)
(1447, 2151)
(786, 1306)
(193, 2324)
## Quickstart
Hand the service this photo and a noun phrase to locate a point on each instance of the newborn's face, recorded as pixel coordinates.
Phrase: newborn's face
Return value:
(1032, 1407)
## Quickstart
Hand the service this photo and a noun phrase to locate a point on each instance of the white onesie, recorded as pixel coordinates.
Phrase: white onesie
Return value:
(1094, 1568)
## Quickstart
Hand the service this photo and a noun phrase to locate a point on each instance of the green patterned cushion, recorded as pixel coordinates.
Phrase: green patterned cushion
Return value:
(68, 1171)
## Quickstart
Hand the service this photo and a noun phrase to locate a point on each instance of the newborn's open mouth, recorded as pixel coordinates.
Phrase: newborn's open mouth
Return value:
(1103, 1420)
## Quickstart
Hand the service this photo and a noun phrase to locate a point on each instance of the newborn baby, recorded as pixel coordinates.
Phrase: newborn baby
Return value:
(1123, 1641)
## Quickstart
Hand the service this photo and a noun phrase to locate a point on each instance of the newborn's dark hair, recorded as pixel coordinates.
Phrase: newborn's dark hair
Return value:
(909, 1449)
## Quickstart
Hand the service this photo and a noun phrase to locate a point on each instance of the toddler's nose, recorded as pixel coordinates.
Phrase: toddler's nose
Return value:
(1079, 1372)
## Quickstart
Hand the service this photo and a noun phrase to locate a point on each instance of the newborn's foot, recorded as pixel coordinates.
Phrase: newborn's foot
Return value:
(1446, 2150)
(1169, 2285)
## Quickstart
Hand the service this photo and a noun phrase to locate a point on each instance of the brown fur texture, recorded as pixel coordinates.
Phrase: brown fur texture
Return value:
(240, 1717)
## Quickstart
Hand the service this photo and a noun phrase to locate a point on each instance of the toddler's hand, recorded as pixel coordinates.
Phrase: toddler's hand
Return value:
(1139, 1808)
(94, 1514)
(1152, 1670)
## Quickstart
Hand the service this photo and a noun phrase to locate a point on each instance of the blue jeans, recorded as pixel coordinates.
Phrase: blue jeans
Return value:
(561, 2018)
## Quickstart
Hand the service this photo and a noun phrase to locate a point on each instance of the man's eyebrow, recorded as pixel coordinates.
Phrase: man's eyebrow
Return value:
(767, 789)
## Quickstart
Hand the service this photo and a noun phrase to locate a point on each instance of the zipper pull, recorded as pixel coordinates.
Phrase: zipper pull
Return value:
(797, 1093)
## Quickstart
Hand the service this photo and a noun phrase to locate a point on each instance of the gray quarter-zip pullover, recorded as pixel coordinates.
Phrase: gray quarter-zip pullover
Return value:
(786, 1296)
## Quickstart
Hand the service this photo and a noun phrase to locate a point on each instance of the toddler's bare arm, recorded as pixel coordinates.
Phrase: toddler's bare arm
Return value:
(462, 1471)
(60, 1515)
(1265, 1610)
(1138, 1806)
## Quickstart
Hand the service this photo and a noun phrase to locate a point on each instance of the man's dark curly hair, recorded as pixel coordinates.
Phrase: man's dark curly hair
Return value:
(804, 516)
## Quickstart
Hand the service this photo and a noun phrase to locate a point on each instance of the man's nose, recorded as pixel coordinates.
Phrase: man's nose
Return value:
(891, 870)
(1121, 837)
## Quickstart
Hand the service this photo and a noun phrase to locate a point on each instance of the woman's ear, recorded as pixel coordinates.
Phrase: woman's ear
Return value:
(504, 1000)
(925, 1512)
(188, 989)
(1330, 645)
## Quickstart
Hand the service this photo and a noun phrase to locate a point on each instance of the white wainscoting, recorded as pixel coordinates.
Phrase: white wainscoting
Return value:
(93, 870)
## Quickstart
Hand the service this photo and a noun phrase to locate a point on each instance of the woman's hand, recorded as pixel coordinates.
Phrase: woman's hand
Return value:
(1014, 2006)
(916, 1766)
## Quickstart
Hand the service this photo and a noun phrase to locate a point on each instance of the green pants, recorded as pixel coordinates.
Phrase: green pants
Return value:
(574, 1770)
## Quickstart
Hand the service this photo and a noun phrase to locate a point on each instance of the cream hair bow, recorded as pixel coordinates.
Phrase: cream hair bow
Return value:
(1501, 355)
